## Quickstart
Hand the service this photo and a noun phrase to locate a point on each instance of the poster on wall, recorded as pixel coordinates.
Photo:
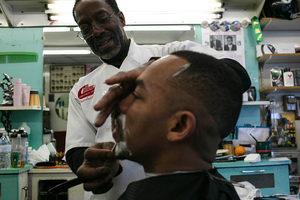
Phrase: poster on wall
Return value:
(229, 42)
(62, 78)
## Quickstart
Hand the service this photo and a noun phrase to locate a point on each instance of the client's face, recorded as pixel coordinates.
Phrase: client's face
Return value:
(147, 111)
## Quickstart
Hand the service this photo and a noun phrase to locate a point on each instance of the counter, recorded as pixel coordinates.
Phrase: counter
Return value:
(15, 170)
(271, 177)
(12, 179)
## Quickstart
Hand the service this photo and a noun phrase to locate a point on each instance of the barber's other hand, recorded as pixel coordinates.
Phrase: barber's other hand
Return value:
(98, 168)
(126, 81)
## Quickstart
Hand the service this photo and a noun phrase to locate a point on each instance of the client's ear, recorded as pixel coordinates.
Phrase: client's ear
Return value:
(181, 126)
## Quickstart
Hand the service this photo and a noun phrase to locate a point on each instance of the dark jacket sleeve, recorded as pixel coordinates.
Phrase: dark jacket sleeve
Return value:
(75, 158)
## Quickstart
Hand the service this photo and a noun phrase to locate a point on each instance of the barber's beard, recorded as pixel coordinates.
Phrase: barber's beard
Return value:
(122, 151)
(118, 40)
(112, 54)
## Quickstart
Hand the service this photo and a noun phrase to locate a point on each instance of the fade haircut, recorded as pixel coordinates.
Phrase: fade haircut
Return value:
(215, 85)
(112, 3)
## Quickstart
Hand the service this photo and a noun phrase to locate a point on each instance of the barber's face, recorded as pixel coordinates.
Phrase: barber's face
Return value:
(107, 43)
(148, 110)
(229, 41)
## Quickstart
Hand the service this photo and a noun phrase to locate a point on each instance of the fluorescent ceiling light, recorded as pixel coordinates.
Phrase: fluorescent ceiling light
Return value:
(154, 12)
(164, 18)
(151, 28)
(63, 17)
(157, 28)
(76, 29)
(60, 5)
(154, 18)
(168, 6)
(56, 29)
(66, 52)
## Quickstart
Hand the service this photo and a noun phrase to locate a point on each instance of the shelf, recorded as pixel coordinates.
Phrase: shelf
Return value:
(276, 24)
(269, 90)
(18, 57)
(20, 107)
(279, 58)
(256, 103)
(46, 109)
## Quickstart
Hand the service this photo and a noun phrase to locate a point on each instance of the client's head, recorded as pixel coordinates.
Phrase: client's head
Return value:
(183, 105)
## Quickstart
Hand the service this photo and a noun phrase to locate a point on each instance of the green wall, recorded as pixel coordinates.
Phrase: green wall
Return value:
(31, 73)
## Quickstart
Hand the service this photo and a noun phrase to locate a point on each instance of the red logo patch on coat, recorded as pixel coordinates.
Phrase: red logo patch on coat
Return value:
(86, 91)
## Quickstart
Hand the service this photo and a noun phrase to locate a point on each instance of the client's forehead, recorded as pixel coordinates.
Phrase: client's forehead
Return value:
(165, 67)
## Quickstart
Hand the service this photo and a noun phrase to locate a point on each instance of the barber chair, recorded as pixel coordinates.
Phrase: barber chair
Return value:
(53, 193)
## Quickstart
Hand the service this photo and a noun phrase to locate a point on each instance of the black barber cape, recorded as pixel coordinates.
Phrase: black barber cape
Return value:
(181, 186)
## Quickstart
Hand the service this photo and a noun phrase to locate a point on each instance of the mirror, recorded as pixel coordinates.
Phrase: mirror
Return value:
(61, 106)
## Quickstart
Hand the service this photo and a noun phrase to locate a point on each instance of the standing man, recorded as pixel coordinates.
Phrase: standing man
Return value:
(230, 46)
(102, 27)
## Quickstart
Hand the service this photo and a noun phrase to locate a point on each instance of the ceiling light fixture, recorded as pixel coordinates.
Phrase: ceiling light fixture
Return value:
(61, 4)
(157, 28)
(56, 29)
(176, 6)
(60, 17)
(169, 18)
(149, 13)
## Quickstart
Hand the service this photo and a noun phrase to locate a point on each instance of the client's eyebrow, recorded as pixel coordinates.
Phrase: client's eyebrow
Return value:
(140, 83)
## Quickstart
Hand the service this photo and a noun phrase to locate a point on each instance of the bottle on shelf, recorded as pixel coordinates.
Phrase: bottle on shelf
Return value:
(288, 78)
(25, 137)
(5, 151)
(17, 98)
(53, 140)
(18, 152)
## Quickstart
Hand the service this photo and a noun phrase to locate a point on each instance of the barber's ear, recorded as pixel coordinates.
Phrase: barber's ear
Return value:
(122, 18)
(182, 125)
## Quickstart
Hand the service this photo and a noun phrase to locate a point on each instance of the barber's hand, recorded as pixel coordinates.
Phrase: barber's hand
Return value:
(126, 85)
(98, 168)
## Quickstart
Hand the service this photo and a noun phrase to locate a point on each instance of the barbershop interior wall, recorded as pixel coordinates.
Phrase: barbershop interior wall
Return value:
(287, 38)
(31, 73)
(249, 114)
(56, 123)
(30, 39)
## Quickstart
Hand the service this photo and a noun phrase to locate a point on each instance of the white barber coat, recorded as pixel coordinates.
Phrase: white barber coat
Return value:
(81, 131)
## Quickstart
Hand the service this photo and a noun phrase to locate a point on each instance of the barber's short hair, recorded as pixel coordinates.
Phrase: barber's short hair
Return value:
(230, 37)
(112, 3)
(213, 83)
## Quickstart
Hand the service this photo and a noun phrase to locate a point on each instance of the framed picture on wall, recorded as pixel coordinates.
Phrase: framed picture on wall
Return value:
(63, 78)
